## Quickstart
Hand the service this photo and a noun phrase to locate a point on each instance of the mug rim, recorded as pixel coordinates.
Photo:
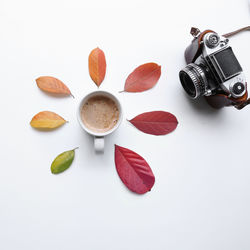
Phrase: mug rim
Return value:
(93, 93)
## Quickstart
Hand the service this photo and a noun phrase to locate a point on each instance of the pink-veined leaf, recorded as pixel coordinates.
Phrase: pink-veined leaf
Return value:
(133, 170)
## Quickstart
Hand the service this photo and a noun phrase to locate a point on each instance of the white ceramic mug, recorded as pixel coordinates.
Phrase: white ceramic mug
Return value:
(99, 137)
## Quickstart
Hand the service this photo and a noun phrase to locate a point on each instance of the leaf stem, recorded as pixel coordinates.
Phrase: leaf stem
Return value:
(75, 148)
(121, 91)
(72, 95)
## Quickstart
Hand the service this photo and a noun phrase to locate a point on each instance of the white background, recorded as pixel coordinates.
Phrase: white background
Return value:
(200, 200)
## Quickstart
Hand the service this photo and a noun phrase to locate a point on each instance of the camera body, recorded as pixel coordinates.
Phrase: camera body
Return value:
(212, 68)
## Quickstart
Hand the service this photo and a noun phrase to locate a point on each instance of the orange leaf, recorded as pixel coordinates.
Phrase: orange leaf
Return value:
(52, 85)
(47, 120)
(143, 78)
(97, 66)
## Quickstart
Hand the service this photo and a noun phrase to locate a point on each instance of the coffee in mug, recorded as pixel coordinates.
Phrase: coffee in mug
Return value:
(100, 113)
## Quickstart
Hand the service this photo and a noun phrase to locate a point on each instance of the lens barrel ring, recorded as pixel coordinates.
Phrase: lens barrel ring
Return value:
(198, 78)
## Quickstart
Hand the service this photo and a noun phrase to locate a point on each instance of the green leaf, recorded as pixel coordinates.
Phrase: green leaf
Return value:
(62, 161)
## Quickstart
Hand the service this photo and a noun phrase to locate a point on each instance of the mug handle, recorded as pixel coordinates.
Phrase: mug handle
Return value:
(99, 144)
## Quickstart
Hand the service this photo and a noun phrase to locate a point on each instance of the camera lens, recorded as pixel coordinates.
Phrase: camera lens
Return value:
(187, 83)
(193, 80)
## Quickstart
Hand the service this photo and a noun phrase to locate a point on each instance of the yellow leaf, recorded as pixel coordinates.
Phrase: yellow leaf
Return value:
(47, 120)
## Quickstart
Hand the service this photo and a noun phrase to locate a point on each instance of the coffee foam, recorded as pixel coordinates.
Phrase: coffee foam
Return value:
(100, 114)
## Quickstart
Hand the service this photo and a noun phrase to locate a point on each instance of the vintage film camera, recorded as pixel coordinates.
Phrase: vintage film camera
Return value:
(213, 71)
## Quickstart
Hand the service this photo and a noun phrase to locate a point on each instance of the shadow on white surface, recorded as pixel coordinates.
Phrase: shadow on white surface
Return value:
(201, 106)
(48, 130)
(59, 96)
(86, 148)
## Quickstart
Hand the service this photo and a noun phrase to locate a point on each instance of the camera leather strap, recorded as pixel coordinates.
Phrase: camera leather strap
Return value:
(221, 100)
(237, 31)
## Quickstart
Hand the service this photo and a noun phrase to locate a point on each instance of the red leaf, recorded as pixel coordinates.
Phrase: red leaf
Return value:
(155, 122)
(97, 66)
(143, 78)
(133, 170)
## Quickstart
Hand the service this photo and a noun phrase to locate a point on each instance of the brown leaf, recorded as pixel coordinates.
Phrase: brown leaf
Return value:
(143, 78)
(97, 66)
(52, 85)
(47, 120)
